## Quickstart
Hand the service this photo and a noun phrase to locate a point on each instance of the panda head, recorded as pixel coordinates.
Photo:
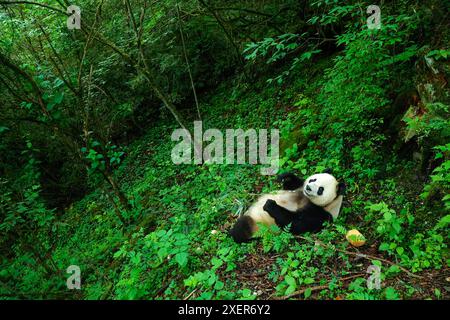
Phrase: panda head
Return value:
(322, 188)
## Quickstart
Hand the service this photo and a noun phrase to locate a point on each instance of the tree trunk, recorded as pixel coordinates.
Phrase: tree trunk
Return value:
(122, 198)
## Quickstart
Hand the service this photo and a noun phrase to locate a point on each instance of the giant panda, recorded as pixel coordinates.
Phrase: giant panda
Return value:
(305, 204)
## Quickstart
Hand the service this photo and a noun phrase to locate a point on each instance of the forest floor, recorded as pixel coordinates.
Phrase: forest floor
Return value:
(169, 251)
(252, 273)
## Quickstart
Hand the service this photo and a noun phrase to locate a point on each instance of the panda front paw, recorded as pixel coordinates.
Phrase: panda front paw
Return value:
(270, 205)
(290, 181)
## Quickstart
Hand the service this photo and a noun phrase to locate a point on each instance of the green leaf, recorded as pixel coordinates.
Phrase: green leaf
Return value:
(246, 293)
(290, 290)
(376, 263)
(308, 293)
(290, 280)
(391, 294)
(387, 216)
(181, 258)
(394, 269)
(445, 221)
(437, 293)
(58, 98)
(217, 263)
(219, 285)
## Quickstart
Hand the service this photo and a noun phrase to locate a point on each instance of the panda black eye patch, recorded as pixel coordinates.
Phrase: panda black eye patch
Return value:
(312, 180)
(320, 191)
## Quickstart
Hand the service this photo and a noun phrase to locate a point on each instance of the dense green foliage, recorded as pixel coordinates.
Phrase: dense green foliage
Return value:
(86, 172)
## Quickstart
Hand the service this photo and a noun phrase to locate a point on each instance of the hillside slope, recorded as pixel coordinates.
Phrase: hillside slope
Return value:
(170, 248)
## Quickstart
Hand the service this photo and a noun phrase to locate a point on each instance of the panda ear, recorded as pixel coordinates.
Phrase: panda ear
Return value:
(341, 188)
(328, 170)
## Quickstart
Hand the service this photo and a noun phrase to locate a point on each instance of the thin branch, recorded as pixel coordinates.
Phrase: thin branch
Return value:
(130, 12)
(141, 25)
(245, 10)
(190, 294)
(12, 91)
(361, 255)
(43, 5)
(316, 288)
(227, 34)
(5, 61)
(187, 63)
(61, 68)
(88, 41)
(25, 119)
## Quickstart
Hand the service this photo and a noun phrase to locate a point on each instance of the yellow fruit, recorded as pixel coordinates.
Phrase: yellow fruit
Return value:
(355, 238)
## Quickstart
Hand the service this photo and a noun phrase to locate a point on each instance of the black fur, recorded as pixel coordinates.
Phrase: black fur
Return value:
(341, 188)
(290, 181)
(242, 230)
(341, 185)
(308, 219)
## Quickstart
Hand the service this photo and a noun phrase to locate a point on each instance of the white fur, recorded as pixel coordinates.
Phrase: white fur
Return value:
(335, 207)
(286, 199)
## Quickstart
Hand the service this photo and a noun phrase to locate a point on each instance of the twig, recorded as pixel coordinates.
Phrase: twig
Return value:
(362, 255)
(369, 257)
(5, 3)
(187, 62)
(299, 292)
(190, 294)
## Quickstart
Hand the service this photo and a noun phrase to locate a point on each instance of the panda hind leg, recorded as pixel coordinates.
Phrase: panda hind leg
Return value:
(243, 229)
